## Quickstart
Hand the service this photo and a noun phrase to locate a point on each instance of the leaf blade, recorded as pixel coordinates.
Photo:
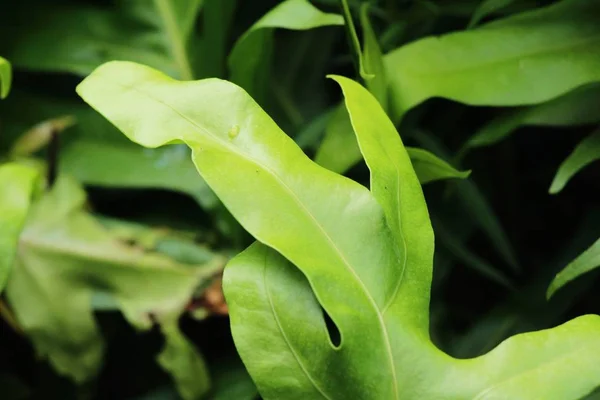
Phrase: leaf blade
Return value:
(586, 152)
(5, 77)
(585, 262)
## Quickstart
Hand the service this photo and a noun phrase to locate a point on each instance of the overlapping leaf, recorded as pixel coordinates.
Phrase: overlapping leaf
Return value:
(248, 60)
(365, 257)
(513, 61)
(585, 262)
(65, 257)
(586, 152)
(578, 107)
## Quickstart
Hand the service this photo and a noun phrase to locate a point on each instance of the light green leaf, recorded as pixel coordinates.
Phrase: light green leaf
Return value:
(63, 249)
(183, 361)
(156, 32)
(332, 244)
(250, 53)
(17, 183)
(585, 262)
(514, 61)
(575, 108)
(586, 152)
(5, 77)
(486, 8)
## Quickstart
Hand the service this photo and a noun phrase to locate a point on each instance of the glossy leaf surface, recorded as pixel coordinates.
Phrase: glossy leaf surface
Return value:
(365, 257)
(529, 51)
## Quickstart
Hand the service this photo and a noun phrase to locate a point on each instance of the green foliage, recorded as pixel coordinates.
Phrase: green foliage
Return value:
(112, 253)
(585, 262)
(5, 77)
(575, 108)
(63, 249)
(249, 58)
(586, 152)
(365, 257)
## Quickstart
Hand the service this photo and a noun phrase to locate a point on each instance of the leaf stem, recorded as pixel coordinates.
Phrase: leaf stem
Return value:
(176, 40)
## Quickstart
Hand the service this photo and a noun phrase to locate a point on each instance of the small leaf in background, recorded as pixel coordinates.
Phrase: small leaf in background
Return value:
(40, 135)
(106, 164)
(488, 7)
(585, 262)
(430, 168)
(375, 80)
(578, 107)
(475, 204)
(251, 51)
(16, 188)
(586, 152)
(180, 358)
(470, 259)
(63, 249)
(5, 77)
(339, 151)
(530, 50)
(358, 54)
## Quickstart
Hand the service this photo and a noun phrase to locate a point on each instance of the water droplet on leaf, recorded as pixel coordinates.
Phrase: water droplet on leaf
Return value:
(234, 131)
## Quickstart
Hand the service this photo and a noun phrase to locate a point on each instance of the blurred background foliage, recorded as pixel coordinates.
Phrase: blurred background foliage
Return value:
(157, 328)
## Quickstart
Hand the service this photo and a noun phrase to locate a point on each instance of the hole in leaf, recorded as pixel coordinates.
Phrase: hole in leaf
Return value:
(334, 333)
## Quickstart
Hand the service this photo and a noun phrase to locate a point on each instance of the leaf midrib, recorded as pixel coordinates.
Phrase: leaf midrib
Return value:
(285, 338)
(302, 207)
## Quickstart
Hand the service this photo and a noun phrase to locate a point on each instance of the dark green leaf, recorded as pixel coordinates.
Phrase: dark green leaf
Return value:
(575, 108)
